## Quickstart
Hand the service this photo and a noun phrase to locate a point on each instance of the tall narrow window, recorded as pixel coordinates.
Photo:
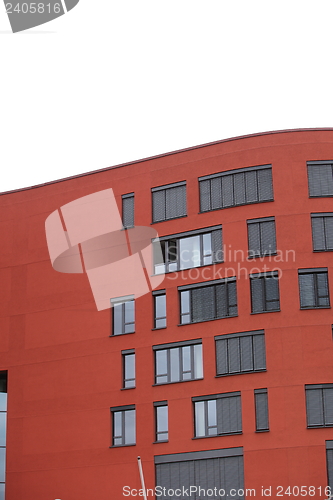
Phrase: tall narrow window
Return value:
(261, 405)
(320, 178)
(240, 353)
(261, 235)
(178, 362)
(319, 405)
(123, 425)
(313, 288)
(161, 421)
(128, 368)
(123, 317)
(217, 414)
(329, 459)
(265, 295)
(208, 301)
(322, 232)
(169, 201)
(3, 432)
(128, 210)
(236, 187)
(159, 309)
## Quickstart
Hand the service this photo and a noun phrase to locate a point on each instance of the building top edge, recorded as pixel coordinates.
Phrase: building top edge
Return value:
(177, 151)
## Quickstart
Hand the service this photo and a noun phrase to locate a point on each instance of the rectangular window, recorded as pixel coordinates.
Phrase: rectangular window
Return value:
(320, 178)
(261, 405)
(313, 288)
(178, 362)
(319, 405)
(211, 470)
(159, 308)
(329, 459)
(238, 353)
(236, 187)
(123, 317)
(123, 425)
(128, 210)
(187, 250)
(128, 357)
(161, 421)
(217, 414)
(207, 301)
(261, 237)
(322, 232)
(265, 295)
(169, 201)
(3, 432)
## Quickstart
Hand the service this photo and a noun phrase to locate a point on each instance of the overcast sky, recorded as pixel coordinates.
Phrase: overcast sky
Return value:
(115, 81)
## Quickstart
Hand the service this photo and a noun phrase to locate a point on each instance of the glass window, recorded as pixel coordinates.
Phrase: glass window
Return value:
(261, 237)
(123, 426)
(265, 295)
(319, 405)
(178, 364)
(217, 414)
(128, 369)
(169, 202)
(159, 309)
(161, 421)
(123, 317)
(128, 210)
(313, 287)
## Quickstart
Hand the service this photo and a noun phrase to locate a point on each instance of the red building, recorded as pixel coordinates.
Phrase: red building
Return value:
(221, 375)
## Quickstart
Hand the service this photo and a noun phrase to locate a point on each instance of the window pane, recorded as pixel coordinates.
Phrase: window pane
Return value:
(189, 252)
(212, 420)
(117, 319)
(162, 418)
(129, 311)
(186, 352)
(3, 419)
(2, 464)
(3, 401)
(130, 366)
(174, 363)
(117, 423)
(200, 418)
(130, 427)
(185, 302)
(160, 323)
(161, 362)
(160, 306)
(2, 491)
(306, 283)
(198, 369)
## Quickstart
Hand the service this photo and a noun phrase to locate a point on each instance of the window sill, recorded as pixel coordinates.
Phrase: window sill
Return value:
(122, 445)
(206, 320)
(127, 388)
(241, 373)
(265, 312)
(157, 442)
(314, 307)
(259, 431)
(121, 334)
(166, 220)
(319, 426)
(160, 328)
(178, 382)
(219, 435)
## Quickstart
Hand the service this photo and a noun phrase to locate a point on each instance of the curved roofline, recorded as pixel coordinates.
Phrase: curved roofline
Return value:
(257, 134)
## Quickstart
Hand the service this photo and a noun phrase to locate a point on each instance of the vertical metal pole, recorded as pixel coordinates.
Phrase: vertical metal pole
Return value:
(142, 478)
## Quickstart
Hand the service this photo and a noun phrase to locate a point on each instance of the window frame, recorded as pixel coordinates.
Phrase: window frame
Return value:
(126, 209)
(265, 301)
(319, 163)
(155, 294)
(321, 388)
(122, 301)
(124, 354)
(261, 409)
(122, 410)
(260, 222)
(168, 374)
(157, 406)
(324, 216)
(165, 188)
(314, 272)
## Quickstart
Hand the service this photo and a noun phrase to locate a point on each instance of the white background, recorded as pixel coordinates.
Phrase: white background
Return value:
(115, 81)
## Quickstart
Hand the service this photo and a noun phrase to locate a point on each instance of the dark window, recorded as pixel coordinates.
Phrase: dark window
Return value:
(159, 309)
(161, 421)
(322, 232)
(169, 202)
(178, 362)
(217, 414)
(123, 317)
(320, 179)
(240, 353)
(319, 405)
(188, 250)
(329, 459)
(265, 292)
(313, 288)
(261, 404)
(123, 425)
(128, 210)
(128, 368)
(3, 431)
(220, 469)
(236, 187)
(208, 301)
(262, 238)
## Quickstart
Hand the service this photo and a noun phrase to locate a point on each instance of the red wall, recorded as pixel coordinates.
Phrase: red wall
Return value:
(64, 369)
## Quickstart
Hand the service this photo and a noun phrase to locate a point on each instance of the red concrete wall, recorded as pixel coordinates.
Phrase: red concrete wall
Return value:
(64, 369)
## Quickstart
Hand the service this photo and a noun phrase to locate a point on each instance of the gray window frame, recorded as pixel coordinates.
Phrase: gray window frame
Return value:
(323, 412)
(127, 380)
(229, 289)
(261, 409)
(264, 294)
(237, 349)
(259, 226)
(319, 186)
(221, 411)
(239, 187)
(315, 289)
(158, 433)
(122, 301)
(168, 374)
(159, 293)
(122, 410)
(321, 233)
(128, 210)
(167, 191)
(329, 463)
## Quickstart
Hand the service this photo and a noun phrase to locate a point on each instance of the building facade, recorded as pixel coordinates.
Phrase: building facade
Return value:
(220, 376)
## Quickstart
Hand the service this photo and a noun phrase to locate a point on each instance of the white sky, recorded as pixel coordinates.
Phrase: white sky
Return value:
(115, 81)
